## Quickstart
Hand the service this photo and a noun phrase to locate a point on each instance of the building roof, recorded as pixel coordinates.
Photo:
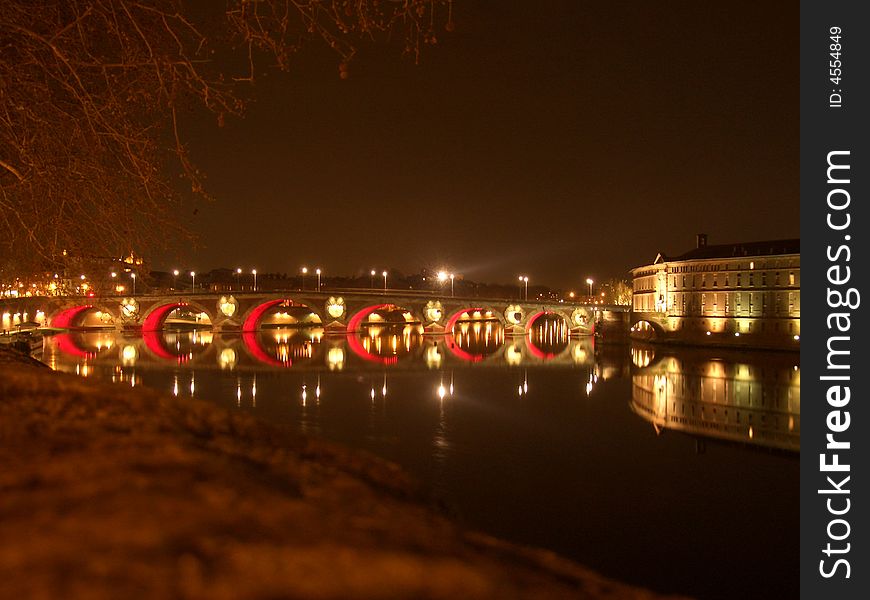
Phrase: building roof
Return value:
(766, 248)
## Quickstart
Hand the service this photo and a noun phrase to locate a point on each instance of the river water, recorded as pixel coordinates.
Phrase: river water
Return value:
(672, 469)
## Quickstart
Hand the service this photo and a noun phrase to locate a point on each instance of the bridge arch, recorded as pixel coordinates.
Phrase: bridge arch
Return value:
(643, 329)
(361, 315)
(75, 317)
(155, 318)
(541, 351)
(253, 320)
(457, 315)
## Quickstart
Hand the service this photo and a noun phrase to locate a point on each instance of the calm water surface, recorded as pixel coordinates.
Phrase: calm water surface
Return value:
(675, 470)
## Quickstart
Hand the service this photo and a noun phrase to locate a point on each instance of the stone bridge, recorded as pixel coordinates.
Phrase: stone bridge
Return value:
(345, 311)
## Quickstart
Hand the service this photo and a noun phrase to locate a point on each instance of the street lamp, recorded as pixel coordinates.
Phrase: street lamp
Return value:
(304, 272)
(192, 281)
(239, 278)
(523, 279)
(385, 281)
(589, 282)
(452, 293)
(318, 271)
(372, 280)
(254, 273)
(174, 279)
(133, 277)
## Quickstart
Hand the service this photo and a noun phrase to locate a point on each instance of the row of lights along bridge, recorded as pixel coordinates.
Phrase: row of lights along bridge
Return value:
(442, 277)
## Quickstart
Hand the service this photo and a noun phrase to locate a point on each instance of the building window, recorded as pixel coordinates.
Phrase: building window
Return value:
(715, 281)
(703, 303)
(764, 278)
(790, 302)
(791, 278)
(751, 282)
(738, 280)
(776, 279)
(704, 281)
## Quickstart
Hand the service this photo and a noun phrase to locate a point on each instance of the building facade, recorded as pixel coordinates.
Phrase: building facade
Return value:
(745, 294)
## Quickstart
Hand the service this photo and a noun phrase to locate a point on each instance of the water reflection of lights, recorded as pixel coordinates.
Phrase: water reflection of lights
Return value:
(513, 355)
(227, 358)
(641, 357)
(175, 385)
(192, 384)
(523, 387)
(444, 391)
(715, 397)
(129, 355)
(434, 358)
(254, 392)
(335, 359)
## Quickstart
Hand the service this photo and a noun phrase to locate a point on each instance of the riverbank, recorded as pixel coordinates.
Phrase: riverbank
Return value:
(114, 492)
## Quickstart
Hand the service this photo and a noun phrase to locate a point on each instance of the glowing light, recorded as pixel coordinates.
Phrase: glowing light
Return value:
(129, 355)
(335, 307)
(335, 359)
(227, 306)
(228, 358)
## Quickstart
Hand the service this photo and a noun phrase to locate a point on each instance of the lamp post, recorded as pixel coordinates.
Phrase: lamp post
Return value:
(304, 272)
(239, 279)
(524, 281)
(589, 282)
(174, 279)
(133, 277)
(385, 281)
(372, 280)
(318, 271)
(192, 281)
(254, 273)
(452, 291)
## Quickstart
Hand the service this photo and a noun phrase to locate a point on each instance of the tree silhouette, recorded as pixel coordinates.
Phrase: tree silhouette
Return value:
(91, 93)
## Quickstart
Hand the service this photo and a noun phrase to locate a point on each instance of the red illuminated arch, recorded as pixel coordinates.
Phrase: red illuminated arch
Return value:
(66, 318)
(252, 323)
(359, 317)
(154, 320)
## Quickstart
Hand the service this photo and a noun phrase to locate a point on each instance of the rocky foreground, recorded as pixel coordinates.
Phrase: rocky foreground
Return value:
(112, 492)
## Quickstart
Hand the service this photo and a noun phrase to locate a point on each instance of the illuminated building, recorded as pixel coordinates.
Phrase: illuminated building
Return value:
(745, 294)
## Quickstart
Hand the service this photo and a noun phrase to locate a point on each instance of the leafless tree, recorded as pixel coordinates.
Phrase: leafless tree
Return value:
(92, 92)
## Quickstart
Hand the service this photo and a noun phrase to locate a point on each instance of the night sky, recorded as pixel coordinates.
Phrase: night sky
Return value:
(559, 139)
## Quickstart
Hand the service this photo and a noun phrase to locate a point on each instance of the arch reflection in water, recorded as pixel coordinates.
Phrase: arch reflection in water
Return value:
(718, 396)
(549, 336)
(284, 346)
(386, 343)
(476, 338)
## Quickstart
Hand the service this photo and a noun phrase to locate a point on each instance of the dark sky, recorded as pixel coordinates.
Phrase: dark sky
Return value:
(559, 139)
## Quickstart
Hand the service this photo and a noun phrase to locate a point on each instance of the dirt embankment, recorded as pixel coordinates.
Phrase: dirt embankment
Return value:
(112, 492)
